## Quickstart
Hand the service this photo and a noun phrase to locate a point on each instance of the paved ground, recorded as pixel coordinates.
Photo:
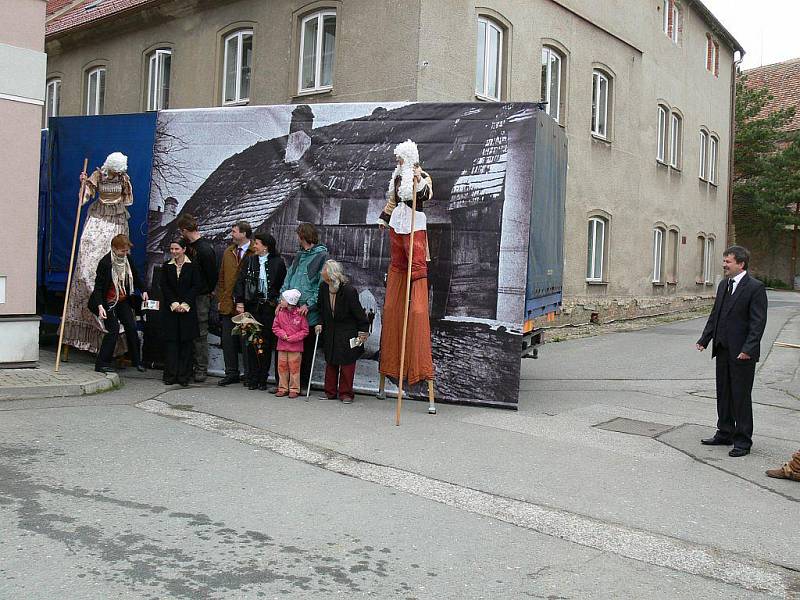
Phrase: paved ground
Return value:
(597, 487)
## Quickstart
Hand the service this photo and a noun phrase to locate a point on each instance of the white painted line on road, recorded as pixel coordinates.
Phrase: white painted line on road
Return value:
(651, 548)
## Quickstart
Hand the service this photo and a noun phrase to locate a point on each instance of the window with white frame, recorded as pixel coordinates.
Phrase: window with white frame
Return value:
(317, 51)
(671, 260)
(237, 67)
(663, 120)
(52, 99)
(601, 87)
(95, 91)
(658, 254)
(675, 140)
(712, 55)
(158, 70)
(671, 14)
(595, 255)
(703, 154)
(708, 260)
(713, 151)
(552, 81)
(489, 60)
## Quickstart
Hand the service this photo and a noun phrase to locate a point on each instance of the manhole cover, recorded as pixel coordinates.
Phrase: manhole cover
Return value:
(634, 427)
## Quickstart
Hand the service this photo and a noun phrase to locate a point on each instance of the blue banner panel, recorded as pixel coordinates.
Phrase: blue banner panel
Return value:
(70, 140)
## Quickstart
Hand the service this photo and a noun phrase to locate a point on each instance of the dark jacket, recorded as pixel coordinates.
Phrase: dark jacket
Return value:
(246, 288)
(738, 323)
(202, 255)
(102, 283)
(179, 326)
(343, 323)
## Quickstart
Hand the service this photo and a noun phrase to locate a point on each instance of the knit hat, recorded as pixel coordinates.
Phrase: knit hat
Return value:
(292, 297)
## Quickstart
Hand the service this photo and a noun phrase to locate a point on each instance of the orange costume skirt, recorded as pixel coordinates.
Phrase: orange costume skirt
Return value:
(418, 365)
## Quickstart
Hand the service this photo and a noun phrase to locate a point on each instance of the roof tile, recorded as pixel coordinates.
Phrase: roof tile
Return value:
(783, 82)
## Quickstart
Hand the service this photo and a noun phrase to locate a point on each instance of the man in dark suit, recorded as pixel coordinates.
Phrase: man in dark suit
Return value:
(736, 325)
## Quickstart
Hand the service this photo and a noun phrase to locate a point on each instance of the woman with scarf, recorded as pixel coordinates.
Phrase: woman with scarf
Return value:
(257, 291)
(116, 280)
(180, 283)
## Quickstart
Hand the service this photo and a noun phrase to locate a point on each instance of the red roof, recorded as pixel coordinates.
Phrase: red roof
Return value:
(85, 12)
(783, 82)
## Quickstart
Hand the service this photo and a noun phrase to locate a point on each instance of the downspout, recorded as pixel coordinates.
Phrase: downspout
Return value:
(729, 231)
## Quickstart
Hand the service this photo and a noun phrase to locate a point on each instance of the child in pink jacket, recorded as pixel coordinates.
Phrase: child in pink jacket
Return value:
(291, 328)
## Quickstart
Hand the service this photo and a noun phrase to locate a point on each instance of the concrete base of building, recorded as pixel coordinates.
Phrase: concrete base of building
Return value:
(19, 341)
(578, 311)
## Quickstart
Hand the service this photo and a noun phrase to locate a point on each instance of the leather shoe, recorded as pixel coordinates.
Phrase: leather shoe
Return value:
(105, 369)
(227, 380)
(141, 368)
(737, 452)
(715, 441)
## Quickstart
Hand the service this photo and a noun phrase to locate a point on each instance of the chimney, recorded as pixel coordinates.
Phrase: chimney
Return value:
(170, 210)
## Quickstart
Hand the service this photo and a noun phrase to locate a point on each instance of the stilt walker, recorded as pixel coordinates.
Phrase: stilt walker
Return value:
(405, 328)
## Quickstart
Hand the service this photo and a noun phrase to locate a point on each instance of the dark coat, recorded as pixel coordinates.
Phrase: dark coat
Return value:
(102, 283)
(180, 326)
(339, 326)
(246, 288)
(202, 255)
(739, 322)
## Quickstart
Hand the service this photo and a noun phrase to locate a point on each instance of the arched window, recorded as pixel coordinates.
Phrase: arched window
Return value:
(552, 81)
(52, 99)
(601, 103)
(659, 235)
(489, 60)
(705, 245)
(675, 140)
(159, 63)
(663, 123)
(95, 91)
(713, 153)
(237, 66)
(596, 249)
(672, 15)
(317, 51)
(703, 154)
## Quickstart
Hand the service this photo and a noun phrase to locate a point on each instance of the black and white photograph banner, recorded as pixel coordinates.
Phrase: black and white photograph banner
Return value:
(330, 164)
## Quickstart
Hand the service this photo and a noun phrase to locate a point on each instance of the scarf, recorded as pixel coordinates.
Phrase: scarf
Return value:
(121, 274)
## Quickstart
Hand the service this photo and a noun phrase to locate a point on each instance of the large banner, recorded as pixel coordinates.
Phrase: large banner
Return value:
(330, 164)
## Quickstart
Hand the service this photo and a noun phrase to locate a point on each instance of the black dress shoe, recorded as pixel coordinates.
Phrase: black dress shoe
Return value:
(141, 368)
(262, 386)
(715, 441)
(227, 380)
(168, 381)
(252, 385)
(183, 383)
(105, 369)
(737, 452)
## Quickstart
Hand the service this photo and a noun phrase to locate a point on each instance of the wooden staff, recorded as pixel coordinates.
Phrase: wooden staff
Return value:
(71, 262)
(408, 299)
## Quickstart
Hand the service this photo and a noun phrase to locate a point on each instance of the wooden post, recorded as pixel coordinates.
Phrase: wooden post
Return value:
(71, 263)
(405, 308)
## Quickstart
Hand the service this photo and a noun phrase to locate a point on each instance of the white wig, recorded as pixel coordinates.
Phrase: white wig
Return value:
(410, 154)
(117, 162)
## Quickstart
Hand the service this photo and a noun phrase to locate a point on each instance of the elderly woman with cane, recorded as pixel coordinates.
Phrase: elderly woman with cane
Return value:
(344, 329)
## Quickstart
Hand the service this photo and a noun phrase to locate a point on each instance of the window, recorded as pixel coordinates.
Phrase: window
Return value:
(237, 67)
(596, 249)
(712, 159)
(671, 259)
(552, 81)
(52, 99)
(601, 85)
(317, 51)
(675, 141)
(708, 260)
(671, 19)
(712, 55)
(95, 91)
(703, 154)
(658, 255)
(489, 66)
(663, 116)
(158, 70)
(716, 58)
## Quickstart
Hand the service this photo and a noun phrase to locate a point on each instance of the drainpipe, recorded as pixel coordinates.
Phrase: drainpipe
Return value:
(731, 145)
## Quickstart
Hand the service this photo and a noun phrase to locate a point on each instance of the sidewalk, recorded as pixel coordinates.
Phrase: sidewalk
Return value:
(75, 378)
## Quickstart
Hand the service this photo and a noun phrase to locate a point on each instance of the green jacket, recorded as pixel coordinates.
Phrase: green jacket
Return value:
(304, 275)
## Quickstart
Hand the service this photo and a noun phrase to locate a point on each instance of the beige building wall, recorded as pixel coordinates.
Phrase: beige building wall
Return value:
(426, 50)
(22, 69)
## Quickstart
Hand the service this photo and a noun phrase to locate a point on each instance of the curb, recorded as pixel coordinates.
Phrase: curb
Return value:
(105, 383)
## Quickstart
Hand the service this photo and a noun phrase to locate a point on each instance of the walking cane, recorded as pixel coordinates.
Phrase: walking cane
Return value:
(311, 373)
(405, 308)
(71, 261)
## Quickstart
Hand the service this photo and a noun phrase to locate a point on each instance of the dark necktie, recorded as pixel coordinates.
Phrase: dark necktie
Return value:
(238, 255)
(730, 287)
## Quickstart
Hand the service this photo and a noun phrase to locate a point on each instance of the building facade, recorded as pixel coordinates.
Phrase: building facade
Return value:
(22, 78)
(777, 258)
(643, 89)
